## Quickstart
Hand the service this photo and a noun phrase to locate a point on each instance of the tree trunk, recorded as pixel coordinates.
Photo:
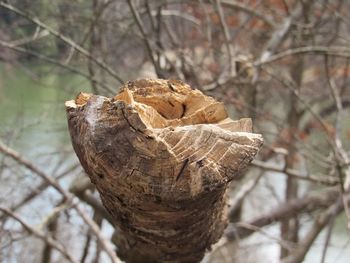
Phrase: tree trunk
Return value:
(161, 156)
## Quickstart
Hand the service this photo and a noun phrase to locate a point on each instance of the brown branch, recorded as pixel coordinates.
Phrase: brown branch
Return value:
(226, 32)
(144, 37)
(86, 247)
(65, 39)
(291, 86)
(343, 157)
(299, 253)
(89, 30)
(330, 181)
(55, 62)
(45, 238)
(337, 51)
(81, 187)
(290, 227)
(26, 40)
(66, 195)
(39, 189)
(30, 166)
(328, 238)
(243, 8)
(50, 223)
(236, 203)
(280, 34)
(286, 210)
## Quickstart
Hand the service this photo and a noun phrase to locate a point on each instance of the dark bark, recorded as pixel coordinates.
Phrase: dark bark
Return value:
(161, 156)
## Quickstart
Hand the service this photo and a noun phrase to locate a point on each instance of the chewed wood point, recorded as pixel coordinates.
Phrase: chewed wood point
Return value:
(161, 156)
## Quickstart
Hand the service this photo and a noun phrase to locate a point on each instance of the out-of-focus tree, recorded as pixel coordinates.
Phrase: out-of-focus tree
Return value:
(284, 63)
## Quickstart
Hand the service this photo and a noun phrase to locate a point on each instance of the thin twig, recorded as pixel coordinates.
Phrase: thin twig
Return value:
(286, 210)
(280, 34)
(338, 142)
(328, 239)
(226, 33)
(144, 37)
(39, 189)
(331, 181)
(291, 86)
(243, 8)
(244, 190)
(55, 62)
(65, 39)
(299, 253)
(66, 195)
(47, 239)
(337, 51)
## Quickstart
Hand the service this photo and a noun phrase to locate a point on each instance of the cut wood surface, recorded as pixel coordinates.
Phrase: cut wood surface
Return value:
(161, 156)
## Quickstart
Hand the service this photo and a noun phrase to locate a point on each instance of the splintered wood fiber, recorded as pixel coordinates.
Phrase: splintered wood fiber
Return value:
(161, 156)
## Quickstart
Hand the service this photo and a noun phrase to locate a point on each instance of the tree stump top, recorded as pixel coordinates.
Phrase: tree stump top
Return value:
(161, 155)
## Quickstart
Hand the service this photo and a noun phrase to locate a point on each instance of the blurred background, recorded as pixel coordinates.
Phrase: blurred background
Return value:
(283, 63)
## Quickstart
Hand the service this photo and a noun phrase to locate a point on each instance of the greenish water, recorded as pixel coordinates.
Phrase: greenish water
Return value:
(33, 122)
(32, 113)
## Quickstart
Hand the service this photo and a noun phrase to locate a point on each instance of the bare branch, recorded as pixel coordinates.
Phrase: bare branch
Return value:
(244, 8)
(55, 62)
(39, 189)
(331, 181)
(226, 33)
(299, 253)
(144, 37)
(337, 51)
(47, 239)
(65, 39)
(285, 210)
(81, 188)
(236, 203)
(67, 196)
(279, 35)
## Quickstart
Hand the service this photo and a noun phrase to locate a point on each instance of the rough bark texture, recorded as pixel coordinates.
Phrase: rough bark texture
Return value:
(161, 156)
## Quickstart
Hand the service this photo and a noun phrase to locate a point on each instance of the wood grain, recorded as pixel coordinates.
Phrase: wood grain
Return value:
(161, 156)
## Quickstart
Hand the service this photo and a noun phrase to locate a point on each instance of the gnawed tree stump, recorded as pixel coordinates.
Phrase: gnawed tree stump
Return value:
(161, 156)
